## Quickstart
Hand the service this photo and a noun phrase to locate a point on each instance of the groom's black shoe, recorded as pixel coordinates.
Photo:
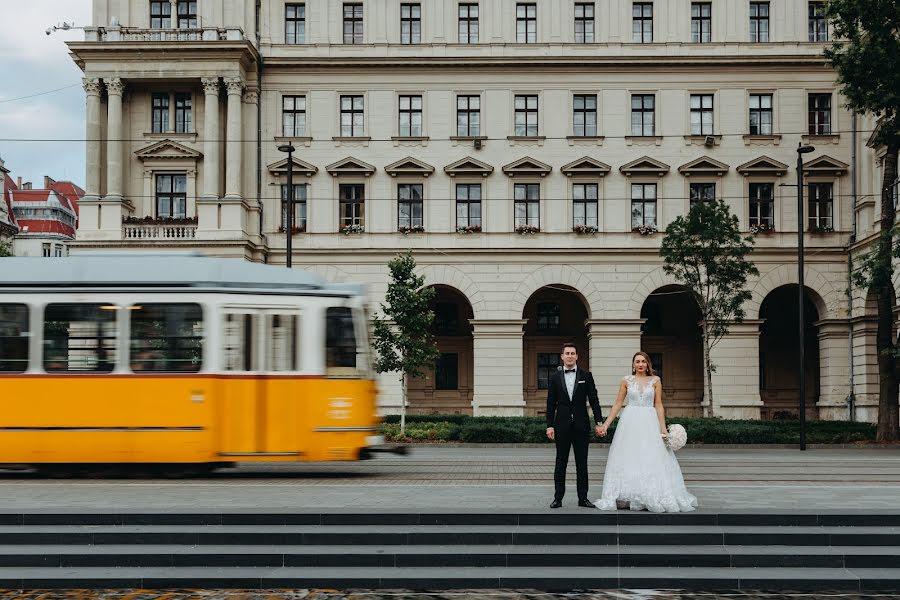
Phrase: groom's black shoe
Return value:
(556, 503)
(586, 504)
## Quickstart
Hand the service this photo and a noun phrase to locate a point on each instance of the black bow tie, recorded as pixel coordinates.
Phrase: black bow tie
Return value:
(570, 370)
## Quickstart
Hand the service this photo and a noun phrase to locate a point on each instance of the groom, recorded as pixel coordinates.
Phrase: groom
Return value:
(567, 422)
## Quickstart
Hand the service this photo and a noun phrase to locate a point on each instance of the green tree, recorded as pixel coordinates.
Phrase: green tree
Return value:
(5, 248)
(404, 341)
(705, 252)
(864, 54)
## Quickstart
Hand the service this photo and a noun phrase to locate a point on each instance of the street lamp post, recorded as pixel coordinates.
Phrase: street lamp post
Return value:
(289, 199)
(801, 150)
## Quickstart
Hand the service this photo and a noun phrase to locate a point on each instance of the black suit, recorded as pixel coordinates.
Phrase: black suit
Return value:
(569, 419)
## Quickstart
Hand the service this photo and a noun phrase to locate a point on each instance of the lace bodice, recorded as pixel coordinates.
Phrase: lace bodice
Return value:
(639, 395)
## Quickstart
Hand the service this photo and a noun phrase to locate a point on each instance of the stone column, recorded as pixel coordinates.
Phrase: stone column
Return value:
(498, 368)
(92, 89)
(612, 344)
(834, 369)
(114, 89)
(233, 139)
(211, 138)
(736, 378)
(865, 362)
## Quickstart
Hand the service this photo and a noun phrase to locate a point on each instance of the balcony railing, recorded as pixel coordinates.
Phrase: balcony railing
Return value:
(139, 34)
(158, 231)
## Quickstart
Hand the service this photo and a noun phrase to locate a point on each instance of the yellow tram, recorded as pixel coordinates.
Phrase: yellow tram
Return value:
(182, 361)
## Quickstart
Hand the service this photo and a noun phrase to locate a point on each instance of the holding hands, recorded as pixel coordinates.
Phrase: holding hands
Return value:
(601, 429)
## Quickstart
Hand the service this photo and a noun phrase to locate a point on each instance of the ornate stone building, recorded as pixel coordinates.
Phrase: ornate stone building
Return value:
(527, 151)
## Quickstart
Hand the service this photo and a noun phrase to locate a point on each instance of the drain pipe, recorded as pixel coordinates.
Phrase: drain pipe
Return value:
(259, 199)
(851, 397)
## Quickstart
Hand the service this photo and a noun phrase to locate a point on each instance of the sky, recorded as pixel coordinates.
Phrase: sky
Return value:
(32, 62)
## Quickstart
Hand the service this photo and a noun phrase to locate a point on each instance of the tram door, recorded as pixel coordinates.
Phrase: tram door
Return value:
(242, 388)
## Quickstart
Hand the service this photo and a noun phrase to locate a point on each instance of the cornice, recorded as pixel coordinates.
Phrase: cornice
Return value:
(85, 52)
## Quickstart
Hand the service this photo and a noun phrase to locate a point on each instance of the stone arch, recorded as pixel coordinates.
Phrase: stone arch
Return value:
(455, 278)
(553, 275)
(330, 273)
(823, 294)
(651, 282)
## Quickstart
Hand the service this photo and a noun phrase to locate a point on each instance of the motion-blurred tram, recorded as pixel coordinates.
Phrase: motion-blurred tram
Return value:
(180, 362)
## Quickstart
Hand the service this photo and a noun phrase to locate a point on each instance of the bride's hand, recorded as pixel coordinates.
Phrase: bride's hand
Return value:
(664, 434)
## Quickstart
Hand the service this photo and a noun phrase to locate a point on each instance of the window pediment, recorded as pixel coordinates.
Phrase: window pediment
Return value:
(825, 165)
(645, 166)
(300, 167)
(350, 166)
(468, 166)
(527, 167)
(586, 166)
(168, 150)
(763, 166)
(704, 166)
(409, 166)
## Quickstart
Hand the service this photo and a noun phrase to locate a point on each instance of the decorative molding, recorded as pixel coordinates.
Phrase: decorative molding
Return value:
(761, 140)
(762, 165)
(114, 85)
(468, 166)
(211, 86)
(644, 140)
(644, 166)
(167, 150)
(704, 166)
(527, 166)
(409, 166)
(92, 86)
(235, 85)
(586, 166)
(825, 165)
(300, 167)
(350, 166)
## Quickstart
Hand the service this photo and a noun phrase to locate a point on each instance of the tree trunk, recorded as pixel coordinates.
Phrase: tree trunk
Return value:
(403, 405)
(707, 371)
(888, 429)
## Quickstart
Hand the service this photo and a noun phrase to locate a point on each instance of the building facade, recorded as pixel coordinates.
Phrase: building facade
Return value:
(529, 153)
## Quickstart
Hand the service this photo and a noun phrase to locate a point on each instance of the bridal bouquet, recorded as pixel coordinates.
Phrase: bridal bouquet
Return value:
(677, 437)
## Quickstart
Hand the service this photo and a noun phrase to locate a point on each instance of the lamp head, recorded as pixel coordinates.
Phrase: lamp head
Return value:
(801, 149)
(286, 148)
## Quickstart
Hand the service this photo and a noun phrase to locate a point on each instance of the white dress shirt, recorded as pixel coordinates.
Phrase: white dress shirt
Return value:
(570, 380)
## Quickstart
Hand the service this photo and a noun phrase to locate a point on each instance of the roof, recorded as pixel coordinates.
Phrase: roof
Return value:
(161, 269)
(30, 227)
(7, 198)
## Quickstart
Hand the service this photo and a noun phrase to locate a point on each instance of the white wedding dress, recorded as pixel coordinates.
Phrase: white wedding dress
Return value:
(641, 470)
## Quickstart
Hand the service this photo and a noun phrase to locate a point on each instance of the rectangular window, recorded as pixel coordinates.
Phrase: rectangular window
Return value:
(642, 22)
(468, 205)
(352, 116)
(352, 205)
(701, 22)
(282, 343)
(80, 337)
(183, 118)
(446, 371)
(340, 341)
(818, 25)
(762, 205)
(548, 317)
(299, 207)
(547, 362)
(643, 205)
(643, 115)
(160, 112)
(468, 116)
(187, 14)
(353, 23)
(702, 192)
(239, 349)
(759, 22)
(14, 336)
(526, 23)
(57, 250)
(409, 206)
(584, 22)
(526, 115)
(468, 23)
(446, 319)
(761, 114)
(527, 204)
(584, 108)
(821, 206)
(160, 14)
(701, 114)
(45, 250)
(410, 116)
(294, 23)
(171, 196)
(166, 338)
(293, 116)
(410, 23)
(819, 114)
(585, 204)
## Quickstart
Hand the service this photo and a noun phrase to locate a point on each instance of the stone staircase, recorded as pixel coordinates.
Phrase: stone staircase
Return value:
(526, 550)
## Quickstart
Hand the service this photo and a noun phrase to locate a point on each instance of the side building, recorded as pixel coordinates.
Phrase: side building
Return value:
(530, 153)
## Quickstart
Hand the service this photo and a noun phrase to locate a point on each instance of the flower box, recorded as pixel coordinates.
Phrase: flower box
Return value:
(527, 229)
(645, 229)
(411, 229)
(295, 229)
(761, 228)
(468, 229)
(585, 229)
(160, 221)
(821, 229)
(348, 229)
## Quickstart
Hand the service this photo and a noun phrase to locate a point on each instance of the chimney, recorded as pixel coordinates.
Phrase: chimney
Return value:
(19, 182)
(48, 181)
(26, 185)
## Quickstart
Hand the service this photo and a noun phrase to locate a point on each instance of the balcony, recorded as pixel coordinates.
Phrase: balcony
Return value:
(146, 229)
(139, 34)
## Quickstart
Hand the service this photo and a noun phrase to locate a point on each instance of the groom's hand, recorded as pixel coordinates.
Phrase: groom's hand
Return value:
(551, 433)
(601, 430)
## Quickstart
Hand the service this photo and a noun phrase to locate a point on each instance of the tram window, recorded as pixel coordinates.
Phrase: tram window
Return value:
(166, 338)
(13, 338)
(340, 342)
(238, 342)
(80, 337)
(282, 343)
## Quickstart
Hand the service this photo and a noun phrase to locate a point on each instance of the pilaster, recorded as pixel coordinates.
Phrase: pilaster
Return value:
(612, 344)
(498, 367)
(834, 369)
(735, 382)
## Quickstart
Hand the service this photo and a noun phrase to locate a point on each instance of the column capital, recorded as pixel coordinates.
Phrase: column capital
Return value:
(114, 85)
(210, 85)
(235, 85)
(92, 85)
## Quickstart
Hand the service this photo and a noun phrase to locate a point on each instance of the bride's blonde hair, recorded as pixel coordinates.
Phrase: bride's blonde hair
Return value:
(646, 356)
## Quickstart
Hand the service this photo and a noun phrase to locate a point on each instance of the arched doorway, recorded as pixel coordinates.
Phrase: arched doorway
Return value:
(671, 336)
(779, 339)
(554, 315)
(448, 389)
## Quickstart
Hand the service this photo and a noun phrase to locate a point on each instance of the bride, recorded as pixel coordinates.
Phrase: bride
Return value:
(641, 471)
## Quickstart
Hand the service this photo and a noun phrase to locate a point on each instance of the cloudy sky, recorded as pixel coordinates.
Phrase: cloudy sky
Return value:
(33, 63)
